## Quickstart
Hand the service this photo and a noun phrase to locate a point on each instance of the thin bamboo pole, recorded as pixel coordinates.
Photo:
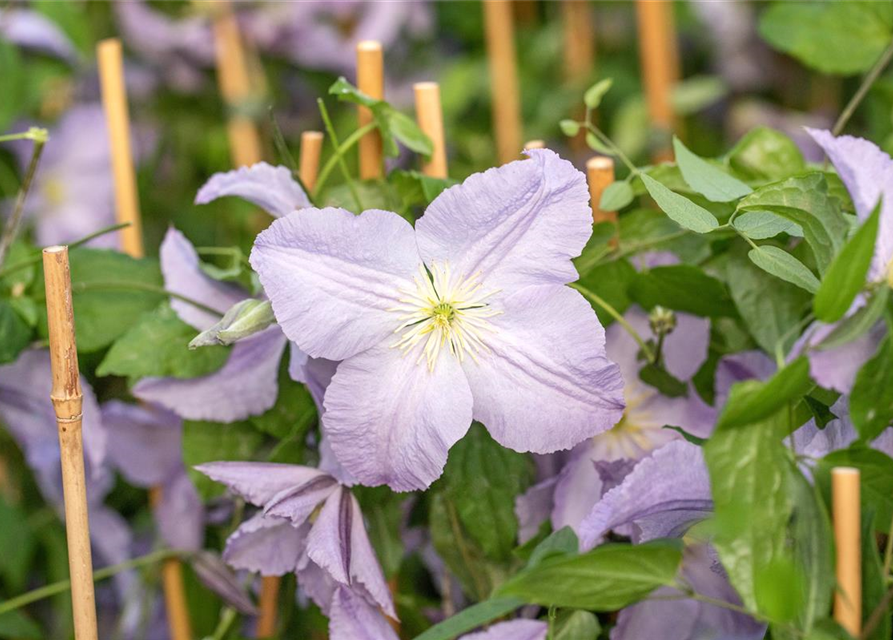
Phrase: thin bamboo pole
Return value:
(370, 80)
(114, 100)
(430, 118)
(535, 144)
(659, 59)
(311, 150)
(848, 546)
(579, 40)
(68, 402)
(235, 85)
(505, 93)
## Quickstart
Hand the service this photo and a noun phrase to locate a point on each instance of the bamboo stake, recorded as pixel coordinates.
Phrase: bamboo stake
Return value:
(430, 117)
(114, 100)
(235, 87)
(178, 621)
(579, 40)
(311, 150)
(535, 144)
(370, 80)
(600, 174)
(659, 58)
(848, 545)
(505, 93)
(68, 402)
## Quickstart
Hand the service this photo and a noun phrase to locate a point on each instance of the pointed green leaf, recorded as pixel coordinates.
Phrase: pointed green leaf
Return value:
(751, 400)
(680, 209)
(782, 264)
(871, 401)
(616, 196)
(471, 618)
(594, 94)
(760, 225)
(712, 183)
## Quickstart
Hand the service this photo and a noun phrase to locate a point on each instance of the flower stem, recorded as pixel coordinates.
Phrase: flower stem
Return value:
(39, 137)
(330, 128)
(611, 311)
(863, 89)
(62, 586)
(343, 148)
(115, 285)
(228, 618)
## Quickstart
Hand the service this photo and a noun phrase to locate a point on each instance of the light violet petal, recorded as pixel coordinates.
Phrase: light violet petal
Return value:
(31, 30)
(837, 368)
(673, 478)
(547, 350)
(144, 441)
(334, 278)
(512, 630)
(216, 576)
(390, 420)
(297, 503)
(316, 583)
(867, 173)
(533, 508)
(162, 39)
(273, 189)
(180, 514)
(338, 543)
(578, 488)
(246, 385)
(518, 225)
(353, 618)
(266, 545)
(183, 275)
(297, 363)
(746, 365)
(258, 482)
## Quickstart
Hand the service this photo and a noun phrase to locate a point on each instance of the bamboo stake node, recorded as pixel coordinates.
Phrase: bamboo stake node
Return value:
(848, 547)
(114, 101)
(430, 117)
(67, 400)
(370, 80)
(505, 93)
(311, 150)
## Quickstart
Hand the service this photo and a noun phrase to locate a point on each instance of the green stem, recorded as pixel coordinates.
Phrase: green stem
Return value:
(863, 89)
(30, 262)
(15, 221)
(613, 147)
(228, 618)
(611, 311)
(330, 128)
(115, 285)
(34, 133)
(62, 586)
(888, 551)
(343, 148)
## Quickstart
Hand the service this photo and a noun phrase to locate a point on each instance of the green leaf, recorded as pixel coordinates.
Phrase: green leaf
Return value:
(871, 401)
(482, 479)
(157, 345)
(563, 542)
(214, 441)
(616, 196)
(768, 306)
(712, 183)
(696, 93)
(408, 132)
(874, 581)
(875, 478)
(804, 200)
(680, 209)
(846, 275)
(682, 288)
(610, 281)
(292, 415)
(471, 618)
(658, 377)
(576, 625)
(749, 475)
(857, 324)
(103, 313)
(782, 264)
(760, 225)
(693, 439)
(607, 578)
(597, 145)
(832, 37)
(766, 155)
(594, 94)
(16, 626)
(570, 128)
(752, 400)
(14, 333)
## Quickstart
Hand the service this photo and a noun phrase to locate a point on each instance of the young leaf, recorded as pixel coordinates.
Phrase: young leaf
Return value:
(712, 183)
(845, 277)
(760, 225)
(594, 94)
(658, 377)
(607, 578)
(576, 625)
(680, 209)
(751, 400)
(616, 196)
(871, 401)
(597, 145)
(471, 618)
(570, 128)
(782, 264)
(563, 542)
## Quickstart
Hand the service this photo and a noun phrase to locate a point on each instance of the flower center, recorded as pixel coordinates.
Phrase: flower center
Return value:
(444, 310)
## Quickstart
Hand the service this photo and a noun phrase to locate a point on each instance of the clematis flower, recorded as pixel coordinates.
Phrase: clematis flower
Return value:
(465, 317)
(867, 173)
(512, 630)
(312, 525)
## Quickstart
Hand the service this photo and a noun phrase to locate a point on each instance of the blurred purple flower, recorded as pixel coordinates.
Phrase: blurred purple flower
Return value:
(512, 630)
(312, 525)
(466, 316)
(32, 30)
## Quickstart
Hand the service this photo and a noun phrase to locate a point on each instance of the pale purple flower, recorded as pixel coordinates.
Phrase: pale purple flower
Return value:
(685, 619)
(464, 317)
(32, 30)
(867, 173)
(512, 630)
(273, 189)
(312, 525)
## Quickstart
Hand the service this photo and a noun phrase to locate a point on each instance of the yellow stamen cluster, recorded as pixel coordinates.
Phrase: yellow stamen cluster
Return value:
(444, 310)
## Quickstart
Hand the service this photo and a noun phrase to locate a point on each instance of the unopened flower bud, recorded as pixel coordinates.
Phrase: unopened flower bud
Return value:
(244, 319)
(662, 321)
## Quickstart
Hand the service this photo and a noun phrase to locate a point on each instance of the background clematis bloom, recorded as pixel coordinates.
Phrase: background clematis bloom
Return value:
(465, 317)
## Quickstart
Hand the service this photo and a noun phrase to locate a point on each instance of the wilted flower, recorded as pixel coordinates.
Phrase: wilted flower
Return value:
(465, 317)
